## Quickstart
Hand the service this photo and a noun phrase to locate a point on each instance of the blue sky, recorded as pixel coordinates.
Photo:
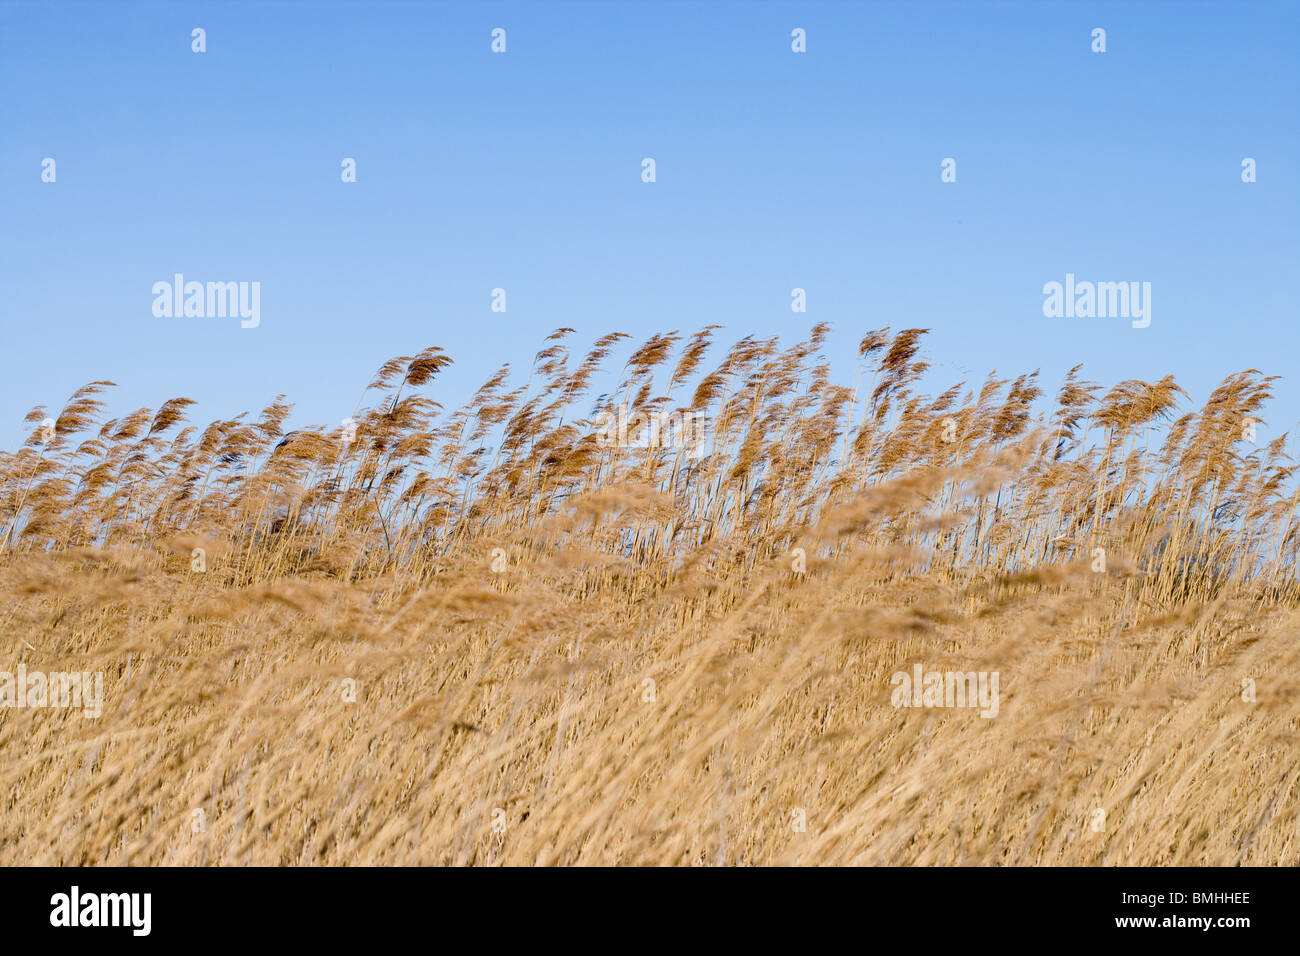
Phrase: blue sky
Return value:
(522, 170)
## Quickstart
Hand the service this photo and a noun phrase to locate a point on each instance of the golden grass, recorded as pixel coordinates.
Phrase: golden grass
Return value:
(406, 646)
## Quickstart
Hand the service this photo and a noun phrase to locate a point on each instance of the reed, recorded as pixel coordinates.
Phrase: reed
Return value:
(490, 635)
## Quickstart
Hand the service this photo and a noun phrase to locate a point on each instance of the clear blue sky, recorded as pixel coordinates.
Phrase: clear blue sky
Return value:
(775, 170)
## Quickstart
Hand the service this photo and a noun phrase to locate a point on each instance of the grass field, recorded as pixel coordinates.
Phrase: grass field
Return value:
(660, 625)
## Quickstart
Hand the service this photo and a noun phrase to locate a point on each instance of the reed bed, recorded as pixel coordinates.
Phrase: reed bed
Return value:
(501, 635)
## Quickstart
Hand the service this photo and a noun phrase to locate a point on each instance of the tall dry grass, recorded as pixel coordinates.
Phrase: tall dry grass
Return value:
(486, 636)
